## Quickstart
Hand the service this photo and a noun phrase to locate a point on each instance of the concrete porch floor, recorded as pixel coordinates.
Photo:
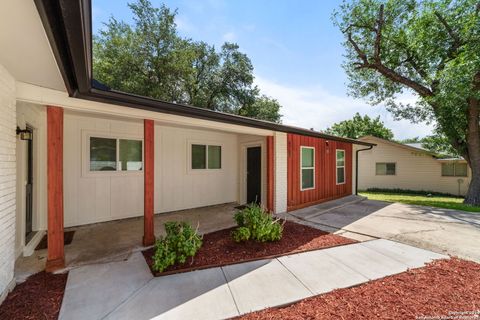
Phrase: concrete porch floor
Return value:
(117, 240)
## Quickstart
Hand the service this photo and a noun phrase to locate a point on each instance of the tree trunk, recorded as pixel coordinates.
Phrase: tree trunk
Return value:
(473, 147)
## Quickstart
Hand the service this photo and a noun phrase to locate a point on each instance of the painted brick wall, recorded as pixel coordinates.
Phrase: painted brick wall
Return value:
(7, 179)
(280, 172)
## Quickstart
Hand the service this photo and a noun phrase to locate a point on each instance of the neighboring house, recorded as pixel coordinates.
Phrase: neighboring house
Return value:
(392, 165)
(73, 153)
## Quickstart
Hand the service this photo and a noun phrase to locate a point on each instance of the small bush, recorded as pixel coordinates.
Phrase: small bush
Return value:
(260, 225)
(241, 234)
(180, 243)
(411, 192)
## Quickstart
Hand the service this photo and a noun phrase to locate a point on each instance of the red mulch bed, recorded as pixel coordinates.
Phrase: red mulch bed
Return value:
(443, 288)
(39, 297)
(219, 249)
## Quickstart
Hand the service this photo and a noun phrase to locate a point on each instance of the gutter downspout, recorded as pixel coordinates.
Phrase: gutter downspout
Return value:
(356, 167)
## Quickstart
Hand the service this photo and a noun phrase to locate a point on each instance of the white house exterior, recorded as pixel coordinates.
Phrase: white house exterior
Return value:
(72, 154)
(391, 165)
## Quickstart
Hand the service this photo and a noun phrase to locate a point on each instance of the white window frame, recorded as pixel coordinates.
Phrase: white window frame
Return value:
(385, 175)
(454, 170)
(86, 172)
(301, 168)
(343, 167)
(190, 170)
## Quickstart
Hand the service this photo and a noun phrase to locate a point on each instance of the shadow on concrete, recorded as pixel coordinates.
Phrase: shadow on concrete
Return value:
(342, 216)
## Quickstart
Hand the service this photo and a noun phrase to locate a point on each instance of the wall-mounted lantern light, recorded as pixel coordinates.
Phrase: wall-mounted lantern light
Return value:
(25, 134)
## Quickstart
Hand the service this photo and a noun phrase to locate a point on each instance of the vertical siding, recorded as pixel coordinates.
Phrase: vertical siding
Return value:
(326, 187)
(7, 180)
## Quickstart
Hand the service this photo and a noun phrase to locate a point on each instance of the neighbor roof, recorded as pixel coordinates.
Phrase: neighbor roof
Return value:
(417, 147)
(68, 27)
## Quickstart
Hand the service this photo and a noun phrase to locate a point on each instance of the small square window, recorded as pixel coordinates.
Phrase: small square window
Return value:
(461, 169)
(103, 154)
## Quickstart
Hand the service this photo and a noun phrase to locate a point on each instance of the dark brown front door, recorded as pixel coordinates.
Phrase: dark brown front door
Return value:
(254, 174)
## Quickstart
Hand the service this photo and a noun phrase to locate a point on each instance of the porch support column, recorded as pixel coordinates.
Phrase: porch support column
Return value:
(148, 171)
(270, 174)
(56, 253)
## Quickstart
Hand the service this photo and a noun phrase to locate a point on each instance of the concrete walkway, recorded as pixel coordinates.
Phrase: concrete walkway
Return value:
(126, 289)
(441, 230)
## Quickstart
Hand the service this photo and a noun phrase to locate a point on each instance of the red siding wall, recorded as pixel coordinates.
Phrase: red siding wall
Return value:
(326, 187)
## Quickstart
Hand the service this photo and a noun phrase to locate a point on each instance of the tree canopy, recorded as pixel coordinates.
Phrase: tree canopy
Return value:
(150, 58)
(428, 47)
(360, 126)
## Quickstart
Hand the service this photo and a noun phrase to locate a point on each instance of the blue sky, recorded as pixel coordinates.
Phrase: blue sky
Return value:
(293, 45)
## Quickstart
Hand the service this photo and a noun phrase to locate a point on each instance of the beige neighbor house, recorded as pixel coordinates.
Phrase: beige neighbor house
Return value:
(75, 153)
(392, 165)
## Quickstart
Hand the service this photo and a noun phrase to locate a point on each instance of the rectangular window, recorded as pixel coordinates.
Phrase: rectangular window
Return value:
(214, 157)
(112, 154)
(103, 154)
(385, 169)
(307, 163)
(206, 156)
(454, 169)
(131, 155)
(340, 166)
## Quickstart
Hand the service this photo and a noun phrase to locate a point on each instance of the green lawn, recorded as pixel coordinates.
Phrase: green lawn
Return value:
(434, 201)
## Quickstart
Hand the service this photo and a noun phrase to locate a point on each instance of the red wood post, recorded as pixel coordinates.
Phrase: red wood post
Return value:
(148, 171)
(270, 174)
(56, 253)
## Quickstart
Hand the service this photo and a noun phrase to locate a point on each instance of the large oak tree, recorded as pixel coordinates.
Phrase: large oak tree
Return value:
(150, 58)
(431, 48)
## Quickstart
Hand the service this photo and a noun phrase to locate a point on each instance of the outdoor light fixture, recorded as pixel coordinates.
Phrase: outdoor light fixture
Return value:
(25, 134)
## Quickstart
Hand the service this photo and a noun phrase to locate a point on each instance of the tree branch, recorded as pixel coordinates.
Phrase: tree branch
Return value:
(357, 49)
(378, 38)
(451, 33)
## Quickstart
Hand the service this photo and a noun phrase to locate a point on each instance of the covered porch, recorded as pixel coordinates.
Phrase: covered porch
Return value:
(117, 240)
(116, 211)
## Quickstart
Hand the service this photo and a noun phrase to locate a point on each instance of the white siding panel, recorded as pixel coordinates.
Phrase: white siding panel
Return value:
(7, 173)
(91, 198)
(176, 185)
(281, 158)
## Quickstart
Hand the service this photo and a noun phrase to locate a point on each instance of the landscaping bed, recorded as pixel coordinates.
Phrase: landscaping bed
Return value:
(444, 289)
(39, 297)
(219, 249)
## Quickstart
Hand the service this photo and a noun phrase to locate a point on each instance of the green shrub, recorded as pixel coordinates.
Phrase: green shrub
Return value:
(260, 224)
(241, 234)
(181, 242)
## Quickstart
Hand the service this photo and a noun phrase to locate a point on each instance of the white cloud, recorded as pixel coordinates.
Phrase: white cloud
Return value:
(314, 107)
(229, 36)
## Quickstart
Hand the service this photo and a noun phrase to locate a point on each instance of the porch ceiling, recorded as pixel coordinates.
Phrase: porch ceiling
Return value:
(26, 52)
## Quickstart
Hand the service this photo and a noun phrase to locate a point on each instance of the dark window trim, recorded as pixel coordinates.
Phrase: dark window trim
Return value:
(68, 27)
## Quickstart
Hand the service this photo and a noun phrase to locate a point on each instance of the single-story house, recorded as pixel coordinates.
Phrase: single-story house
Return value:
(75, 153)
(393, 165)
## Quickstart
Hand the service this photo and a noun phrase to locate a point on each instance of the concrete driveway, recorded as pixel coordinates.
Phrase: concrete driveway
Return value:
(441, 230)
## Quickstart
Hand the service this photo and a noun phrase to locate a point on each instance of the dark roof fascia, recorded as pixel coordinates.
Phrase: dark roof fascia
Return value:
(68, 27)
